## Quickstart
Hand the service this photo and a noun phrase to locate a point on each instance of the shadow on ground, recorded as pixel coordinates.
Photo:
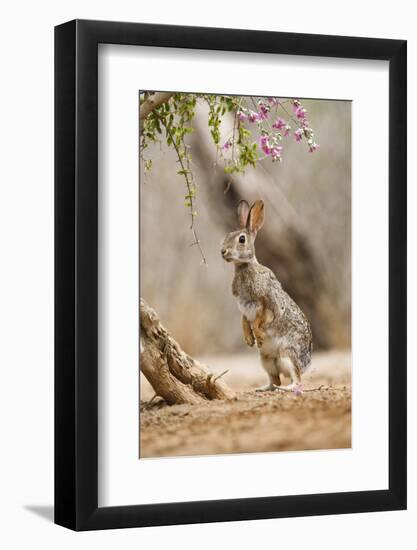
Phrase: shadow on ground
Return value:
(45, 512)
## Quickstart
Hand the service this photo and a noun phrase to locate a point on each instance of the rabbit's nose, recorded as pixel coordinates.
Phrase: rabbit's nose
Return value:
(224, 251)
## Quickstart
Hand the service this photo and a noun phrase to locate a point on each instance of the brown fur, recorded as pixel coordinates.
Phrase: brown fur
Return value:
(269, 314)
(247, 332)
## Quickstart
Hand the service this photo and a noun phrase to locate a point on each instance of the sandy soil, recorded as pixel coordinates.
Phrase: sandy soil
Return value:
(255, 422)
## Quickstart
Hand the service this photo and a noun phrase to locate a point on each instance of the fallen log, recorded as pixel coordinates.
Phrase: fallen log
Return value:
(172, 373)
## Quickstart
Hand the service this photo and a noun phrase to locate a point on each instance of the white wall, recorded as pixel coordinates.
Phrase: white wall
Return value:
(26, 291)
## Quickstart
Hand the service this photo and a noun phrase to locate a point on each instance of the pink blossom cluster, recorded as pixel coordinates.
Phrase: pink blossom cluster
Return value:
(268, 141)
(226, 145)
(255, 116)
(298, 389)
(299, 110)
(313, 147)
(270, 149)
(305, 130)
(280, 124)
(273, 101)
(298, 134)
(263, 111)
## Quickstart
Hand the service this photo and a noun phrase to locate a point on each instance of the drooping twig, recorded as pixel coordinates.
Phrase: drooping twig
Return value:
(186, 173)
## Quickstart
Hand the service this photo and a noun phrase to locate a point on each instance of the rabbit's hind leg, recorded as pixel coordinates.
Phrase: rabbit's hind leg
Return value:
(268, 363)
(287, 367)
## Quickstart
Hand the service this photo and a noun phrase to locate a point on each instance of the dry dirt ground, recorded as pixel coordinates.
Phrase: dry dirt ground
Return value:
(255, 422)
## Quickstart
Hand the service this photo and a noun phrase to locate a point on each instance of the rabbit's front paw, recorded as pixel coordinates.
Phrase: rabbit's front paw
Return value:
(260, 339)
(249, 339)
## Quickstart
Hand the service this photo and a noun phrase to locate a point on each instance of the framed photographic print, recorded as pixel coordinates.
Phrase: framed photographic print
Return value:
(230, 254)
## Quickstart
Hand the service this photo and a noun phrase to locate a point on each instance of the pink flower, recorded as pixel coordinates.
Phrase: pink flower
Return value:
(253, 117)
(273, 101)
(298, 390)
(300, 112)
(298, 134)
(295, 103)
(273, 151)
(279, 123)
(263, 111)
(287, 130)
(226, 145)
(242, 116)
(262, 115)
(276, 152)
(263, 140)
(313, 147)
(264, 144)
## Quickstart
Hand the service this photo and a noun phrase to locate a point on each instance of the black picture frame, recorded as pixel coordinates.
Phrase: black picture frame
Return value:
(76, 273)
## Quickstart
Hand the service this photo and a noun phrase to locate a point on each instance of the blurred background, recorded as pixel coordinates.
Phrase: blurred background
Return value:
(306, 239)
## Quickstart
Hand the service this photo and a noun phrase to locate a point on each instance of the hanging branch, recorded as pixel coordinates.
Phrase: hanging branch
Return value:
(157, 111)
(188, 176)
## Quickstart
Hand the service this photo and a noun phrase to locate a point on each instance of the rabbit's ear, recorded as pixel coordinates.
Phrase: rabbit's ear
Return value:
(256, 216)
(242, 213)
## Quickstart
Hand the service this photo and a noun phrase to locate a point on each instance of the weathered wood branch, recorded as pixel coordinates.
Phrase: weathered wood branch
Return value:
(172, 373)
(152, 102)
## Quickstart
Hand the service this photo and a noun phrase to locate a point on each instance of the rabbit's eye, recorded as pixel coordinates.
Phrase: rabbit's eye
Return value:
(242, 239)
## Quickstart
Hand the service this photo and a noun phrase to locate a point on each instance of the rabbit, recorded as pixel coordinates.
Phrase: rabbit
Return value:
(269, 316)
